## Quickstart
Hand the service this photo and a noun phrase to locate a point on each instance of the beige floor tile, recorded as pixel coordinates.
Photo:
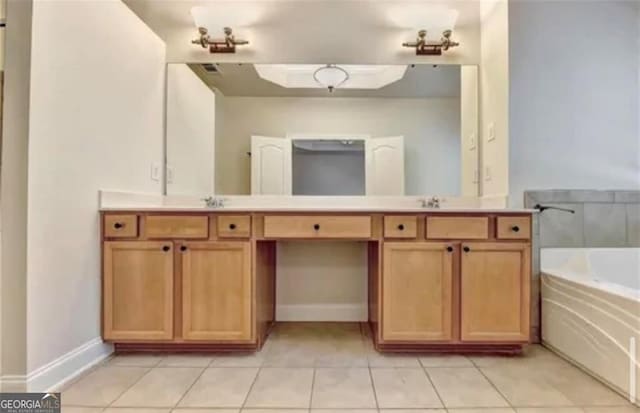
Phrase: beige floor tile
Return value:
(135, 410)
(211, 410)
(403, 388)
(186, 360)
(102, 386)
(613, 409)
(343, 388)
(465, 387)
(351, 411)
(445, 361)
(220, 387)
(136, 360)
(532, 355)
(392, 360)
(78, 409)
(486, 410)
(350, 352)
(281, 387)
(292, 353)
(413, 410)
(550, 410)
(523, 387)
(239, 360)
(580, 388)
(160, 387)
(273, 411)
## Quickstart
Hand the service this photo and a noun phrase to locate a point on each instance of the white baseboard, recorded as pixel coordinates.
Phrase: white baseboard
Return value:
(54, 375)
(322, 312)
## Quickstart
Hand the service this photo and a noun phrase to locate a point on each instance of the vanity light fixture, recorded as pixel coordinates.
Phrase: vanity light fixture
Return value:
(425, 47)
(331, 76)
(226, 45)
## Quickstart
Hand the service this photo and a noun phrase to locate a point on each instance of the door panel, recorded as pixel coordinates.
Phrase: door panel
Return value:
(271, 166)
(417, 291)
(138, 290)
(217, 291)
(384, 166)
(495, 292)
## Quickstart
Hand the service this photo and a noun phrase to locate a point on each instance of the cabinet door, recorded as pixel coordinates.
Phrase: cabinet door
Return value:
(138, 290)
(417, 291)
(495, 292)
(217, 291)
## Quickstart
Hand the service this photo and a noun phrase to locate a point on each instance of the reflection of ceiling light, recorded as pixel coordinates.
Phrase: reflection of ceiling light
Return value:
(301, 76)
(331, 76)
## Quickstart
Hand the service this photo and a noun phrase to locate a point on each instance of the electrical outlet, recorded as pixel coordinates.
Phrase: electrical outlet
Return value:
(492, 132)
(487, 173)
(156, 171)
(472, 141)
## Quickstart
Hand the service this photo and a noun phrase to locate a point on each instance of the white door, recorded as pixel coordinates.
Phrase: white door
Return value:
(384, 164)
(270, 166)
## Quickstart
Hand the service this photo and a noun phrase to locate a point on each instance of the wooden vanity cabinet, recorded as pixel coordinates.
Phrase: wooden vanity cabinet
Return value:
(417, 291)
(495, 283)
(216, 291)
(138, 290)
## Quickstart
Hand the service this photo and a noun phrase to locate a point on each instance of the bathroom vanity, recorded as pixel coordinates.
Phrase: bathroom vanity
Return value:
(204, 280)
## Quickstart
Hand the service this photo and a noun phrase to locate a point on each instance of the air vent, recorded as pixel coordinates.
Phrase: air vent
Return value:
(211, 67)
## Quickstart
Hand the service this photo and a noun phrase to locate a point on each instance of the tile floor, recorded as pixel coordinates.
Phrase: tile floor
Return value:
(328, 368)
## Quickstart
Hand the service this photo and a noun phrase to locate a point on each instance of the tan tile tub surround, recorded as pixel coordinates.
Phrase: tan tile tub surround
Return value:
(591, 312)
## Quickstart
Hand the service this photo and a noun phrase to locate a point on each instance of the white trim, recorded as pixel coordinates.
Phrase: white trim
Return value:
(322, 312)
(54, 375)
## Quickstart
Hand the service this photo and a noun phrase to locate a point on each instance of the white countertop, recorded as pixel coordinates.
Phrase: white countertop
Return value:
(113, 201)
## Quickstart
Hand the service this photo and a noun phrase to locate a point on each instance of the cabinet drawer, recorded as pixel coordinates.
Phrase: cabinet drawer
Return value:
(121, 226)
(317, 227)
(514, 228)
(167, 226)
(233, 226)
(400, 226)
(458, 227)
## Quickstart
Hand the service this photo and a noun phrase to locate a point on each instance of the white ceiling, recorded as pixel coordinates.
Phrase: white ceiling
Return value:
(312, 31)
(421, 81)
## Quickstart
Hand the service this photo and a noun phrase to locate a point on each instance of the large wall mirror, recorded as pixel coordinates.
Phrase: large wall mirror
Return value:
(272, 129)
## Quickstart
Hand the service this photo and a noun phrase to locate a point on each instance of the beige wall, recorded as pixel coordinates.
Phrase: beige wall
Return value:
(431, 128)
(13, 270)
(92, 128)
(494, 97)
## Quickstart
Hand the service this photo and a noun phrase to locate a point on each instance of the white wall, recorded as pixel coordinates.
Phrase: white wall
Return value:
(469, 146)
(96, 121)
(574, 107)
(190, 132)
(431, 128)
(494, 97)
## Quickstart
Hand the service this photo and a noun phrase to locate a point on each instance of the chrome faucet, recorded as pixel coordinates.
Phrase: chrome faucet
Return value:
(433, 202)
(213, 202)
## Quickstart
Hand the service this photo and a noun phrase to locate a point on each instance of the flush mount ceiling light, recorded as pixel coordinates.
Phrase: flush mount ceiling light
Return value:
(303, 76)
(204, 18)
(331, 76)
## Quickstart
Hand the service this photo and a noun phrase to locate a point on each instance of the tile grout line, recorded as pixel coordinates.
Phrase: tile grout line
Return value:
(246, 398)
(313, 383)
(189, 388)
(373, 387)
(497, 389)
(435, 389)
(149, 368)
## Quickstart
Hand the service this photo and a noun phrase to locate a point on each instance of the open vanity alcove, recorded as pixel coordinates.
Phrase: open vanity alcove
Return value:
(206, 281)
